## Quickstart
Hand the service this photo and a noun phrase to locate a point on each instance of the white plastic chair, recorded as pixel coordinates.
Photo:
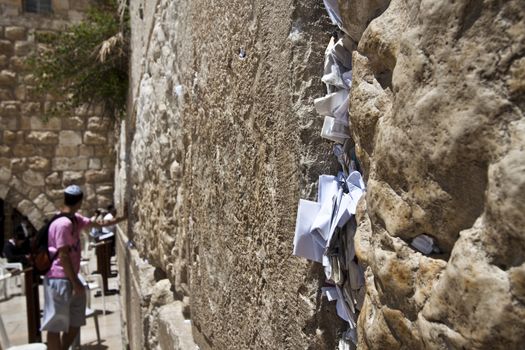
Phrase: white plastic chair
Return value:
(6, 344)
(94, 283)
(17, 280)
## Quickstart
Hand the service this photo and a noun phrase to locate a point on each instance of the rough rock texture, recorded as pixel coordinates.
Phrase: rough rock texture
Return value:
(219, 151)
(437, 111)
(38, 158)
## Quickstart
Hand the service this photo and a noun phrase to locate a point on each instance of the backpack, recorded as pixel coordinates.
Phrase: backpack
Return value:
(40, 258)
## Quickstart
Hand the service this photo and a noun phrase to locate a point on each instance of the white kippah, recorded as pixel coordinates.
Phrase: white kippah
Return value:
(73, 190)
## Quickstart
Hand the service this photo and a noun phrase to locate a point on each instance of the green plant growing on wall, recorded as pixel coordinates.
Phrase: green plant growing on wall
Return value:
(87, 63)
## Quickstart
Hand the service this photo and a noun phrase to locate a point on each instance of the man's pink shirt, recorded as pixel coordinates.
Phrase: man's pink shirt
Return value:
(61, 235)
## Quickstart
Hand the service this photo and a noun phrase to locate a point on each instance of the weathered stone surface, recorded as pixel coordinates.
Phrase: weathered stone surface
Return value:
(42, 137)
(23, 48)
(37, 123)
(9, 109)
(63, 163)
(18, 64)
(6, 48)
(15, 33)
(66, 151)
(245, 136)
(53, 179)
(20, 92)
(39, 163)
(7, 77)
(92, 138)
(5, 174)
(439, 132)
(69, 138)
(6, 94)
(73, 123)
(97, 176)
(33, 178)
(31, 108)
(9, 136)
(72, 177)
(99, 124)
(95, 163)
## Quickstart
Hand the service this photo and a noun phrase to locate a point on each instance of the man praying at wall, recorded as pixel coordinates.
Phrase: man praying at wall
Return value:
(65, 299)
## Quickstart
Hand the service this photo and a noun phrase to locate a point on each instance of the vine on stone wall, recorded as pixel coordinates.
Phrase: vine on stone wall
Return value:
(87, 63)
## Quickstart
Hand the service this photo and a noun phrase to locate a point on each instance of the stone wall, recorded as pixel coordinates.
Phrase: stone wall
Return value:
(219, 149)
(437, 109)
(38, 157)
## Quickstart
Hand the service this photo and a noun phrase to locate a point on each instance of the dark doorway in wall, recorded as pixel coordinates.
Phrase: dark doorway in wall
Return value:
(38, 6)
(10, 219)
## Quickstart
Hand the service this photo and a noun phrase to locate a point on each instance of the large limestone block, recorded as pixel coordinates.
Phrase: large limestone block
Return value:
(97, 176)
(15, 33)
(65, 164)
(42, 137)
(69, 138)
(72, 177)
(92, 138)
(6, 48)
(39, 163)
(439, 128)
(10, 109)
(356, 15)
(23, 48)
(33, 178)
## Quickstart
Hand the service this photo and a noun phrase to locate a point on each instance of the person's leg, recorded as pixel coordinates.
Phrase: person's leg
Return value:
(68, 337)
(53, 341)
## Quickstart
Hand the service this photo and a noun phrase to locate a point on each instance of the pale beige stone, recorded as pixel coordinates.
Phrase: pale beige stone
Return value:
(25, 206)
(39, 163)
(21, 92)
(25, 150)
(98, 124)
(85, 150)
(95, 163)
(72, 177)
(42, 137)
(33, 178)
(5, 150)
(65, 164)
(9, 136)
(23, 48)
(92, 138)
(15, 33)
(18, 64)
(61, 5)
(19, 165)
(96, 176)
(73, 123)
(10, 109)
(53, 179)
(66, 151)
(422, 109)
(5, 174)
(31, 108)
(69, 138)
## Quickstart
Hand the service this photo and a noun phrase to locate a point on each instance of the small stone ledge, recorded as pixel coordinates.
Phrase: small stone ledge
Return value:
(174, 330)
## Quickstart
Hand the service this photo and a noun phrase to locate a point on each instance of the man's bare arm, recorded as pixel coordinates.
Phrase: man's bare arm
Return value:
(63, 254)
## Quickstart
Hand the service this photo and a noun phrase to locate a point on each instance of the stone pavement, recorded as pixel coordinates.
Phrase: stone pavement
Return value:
(13, 311)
